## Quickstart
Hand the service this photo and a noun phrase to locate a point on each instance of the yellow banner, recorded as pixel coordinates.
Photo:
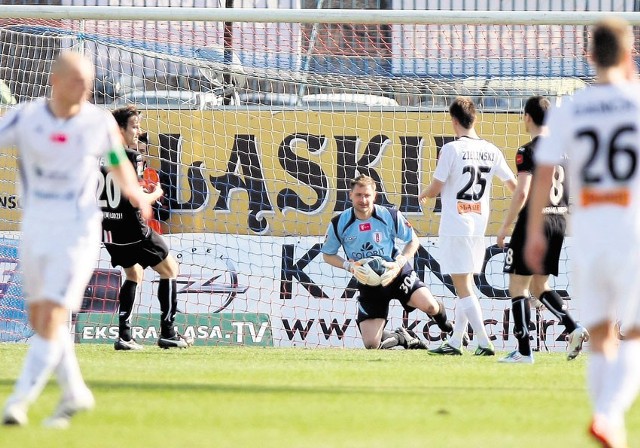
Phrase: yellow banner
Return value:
(287, 172)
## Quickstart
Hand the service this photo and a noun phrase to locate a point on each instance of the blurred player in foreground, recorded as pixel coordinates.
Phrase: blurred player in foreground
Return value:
(521, 280)
(60, 141)
(368, 225)
(599, 131)
(464, 175)
(132, 244)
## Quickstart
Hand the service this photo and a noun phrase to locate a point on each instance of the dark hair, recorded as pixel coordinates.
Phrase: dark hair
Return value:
(143, 137)
(536, 107)
(611, 39)
(463, 110)
(363, 180)
(123, 114)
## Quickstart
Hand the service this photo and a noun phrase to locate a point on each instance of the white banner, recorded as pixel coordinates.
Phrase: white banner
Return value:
(309, 302)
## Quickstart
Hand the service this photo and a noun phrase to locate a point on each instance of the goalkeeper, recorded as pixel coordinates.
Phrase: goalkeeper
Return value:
(367, 229)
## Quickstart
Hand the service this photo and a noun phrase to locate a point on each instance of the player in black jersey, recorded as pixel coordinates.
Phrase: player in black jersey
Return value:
(521, 279)
(132, 244)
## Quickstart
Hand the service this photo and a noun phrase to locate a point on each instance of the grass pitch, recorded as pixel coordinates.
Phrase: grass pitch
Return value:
(257, 397)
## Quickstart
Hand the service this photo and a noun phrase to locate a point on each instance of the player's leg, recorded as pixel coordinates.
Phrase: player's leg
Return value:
(373, 311)
(470, 306)
(420, 297)
(521, 312)
(45, 317)
(621, 381)
(126, 299)
(577, 335)
(620, 389)
(374, 336)
(76, 396)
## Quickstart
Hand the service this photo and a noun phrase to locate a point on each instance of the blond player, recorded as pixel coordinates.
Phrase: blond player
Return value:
(599, 130)
(60, 141)
(464, 176)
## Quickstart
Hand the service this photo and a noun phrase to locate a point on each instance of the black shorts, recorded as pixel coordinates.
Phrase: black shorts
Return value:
(151, 251)
(373, 301)
(554, 228)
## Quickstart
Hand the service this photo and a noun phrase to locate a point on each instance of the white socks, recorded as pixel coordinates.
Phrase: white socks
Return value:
(459, 325)
(68, 370)
(471, 308)
(621, 383)
(597, 368)
(42, 357)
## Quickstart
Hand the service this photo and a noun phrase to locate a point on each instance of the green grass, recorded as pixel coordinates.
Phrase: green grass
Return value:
(257, 397)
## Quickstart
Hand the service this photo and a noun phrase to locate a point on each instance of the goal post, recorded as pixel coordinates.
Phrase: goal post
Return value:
(255, 138)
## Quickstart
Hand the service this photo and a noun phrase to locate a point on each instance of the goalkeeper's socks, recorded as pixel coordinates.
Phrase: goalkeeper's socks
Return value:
(519, 306)
(441, 318)
(126, 299)
(43, 356)
(390, 340)
(554, 303)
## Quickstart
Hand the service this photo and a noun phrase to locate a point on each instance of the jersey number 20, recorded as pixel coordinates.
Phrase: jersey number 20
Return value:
(108, 191)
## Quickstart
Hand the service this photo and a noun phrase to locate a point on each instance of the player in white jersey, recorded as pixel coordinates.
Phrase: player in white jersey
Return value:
(463, 176)
(599, 130)
(60, 141)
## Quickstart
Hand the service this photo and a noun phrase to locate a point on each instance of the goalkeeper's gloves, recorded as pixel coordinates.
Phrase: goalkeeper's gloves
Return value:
(360, 272)
(393, 268)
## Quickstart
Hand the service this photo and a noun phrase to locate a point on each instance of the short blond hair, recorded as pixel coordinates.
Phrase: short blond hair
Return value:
(363, 180)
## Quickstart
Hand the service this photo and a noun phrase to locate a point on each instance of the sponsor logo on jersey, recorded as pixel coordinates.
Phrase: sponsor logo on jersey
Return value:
(618, 196)
(365, 227)
(58, 138)
(469, 207)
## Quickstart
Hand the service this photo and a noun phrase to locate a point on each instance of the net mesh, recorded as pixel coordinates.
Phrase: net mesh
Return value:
(255, 131)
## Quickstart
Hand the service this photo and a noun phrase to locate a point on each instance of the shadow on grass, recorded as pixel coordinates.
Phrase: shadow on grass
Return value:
(409, 390)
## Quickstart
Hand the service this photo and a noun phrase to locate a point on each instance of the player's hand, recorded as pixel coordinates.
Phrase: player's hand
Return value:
(502, 234)
(422, 197)
(141, 202)
(393, 268)
(359, 272)
(535, 250)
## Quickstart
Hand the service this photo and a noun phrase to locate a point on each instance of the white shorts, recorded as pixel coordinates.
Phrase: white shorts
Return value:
(606, 284)
(57, 263)
(461, 254)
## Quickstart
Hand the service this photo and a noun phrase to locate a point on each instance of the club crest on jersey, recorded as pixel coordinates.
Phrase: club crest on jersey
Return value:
(365, 227)
(377, 236)
(58, 138)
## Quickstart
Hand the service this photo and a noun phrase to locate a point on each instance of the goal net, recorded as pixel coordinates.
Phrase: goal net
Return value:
(255, 130)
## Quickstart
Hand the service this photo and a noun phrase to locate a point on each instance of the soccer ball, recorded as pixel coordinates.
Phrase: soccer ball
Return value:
(374, 268)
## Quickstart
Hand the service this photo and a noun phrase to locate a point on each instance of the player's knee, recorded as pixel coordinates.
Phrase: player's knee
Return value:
(371, 345)
(46, 317)
(167, 268)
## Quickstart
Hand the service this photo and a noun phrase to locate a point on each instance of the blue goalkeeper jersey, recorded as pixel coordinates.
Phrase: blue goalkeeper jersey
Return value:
(365, 238)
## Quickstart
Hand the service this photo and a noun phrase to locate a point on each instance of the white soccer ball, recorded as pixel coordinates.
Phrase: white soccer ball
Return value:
(374, 270)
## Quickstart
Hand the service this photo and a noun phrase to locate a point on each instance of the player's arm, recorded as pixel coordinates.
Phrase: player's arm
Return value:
(520, 195)
(431, 191)
(536, 244)
(405, 233)
(440, 175)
